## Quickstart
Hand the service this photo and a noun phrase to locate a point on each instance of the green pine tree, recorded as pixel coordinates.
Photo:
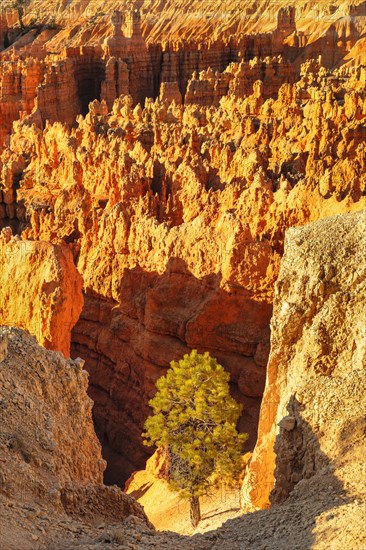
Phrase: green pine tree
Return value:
(195, 420)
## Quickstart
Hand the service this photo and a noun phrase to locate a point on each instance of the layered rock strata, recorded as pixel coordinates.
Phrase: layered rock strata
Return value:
(204, 21)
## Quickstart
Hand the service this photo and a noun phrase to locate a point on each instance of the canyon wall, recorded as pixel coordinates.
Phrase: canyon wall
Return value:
(50, 455)
(313, 404)
(173, 209)
(50, 475)
(309, 459)
(175, 216)
(54, 64)
(167, 21)
(40, 290)
(41, 84)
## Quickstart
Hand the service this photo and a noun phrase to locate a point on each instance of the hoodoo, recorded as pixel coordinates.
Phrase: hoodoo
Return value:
(174, 181)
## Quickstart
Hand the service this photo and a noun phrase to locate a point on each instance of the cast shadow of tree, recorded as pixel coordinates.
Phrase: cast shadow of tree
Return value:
(290, 521)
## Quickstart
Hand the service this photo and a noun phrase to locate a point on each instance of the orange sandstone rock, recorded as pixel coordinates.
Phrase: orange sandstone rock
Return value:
(175, 209)
(176, 217)
(40, 290)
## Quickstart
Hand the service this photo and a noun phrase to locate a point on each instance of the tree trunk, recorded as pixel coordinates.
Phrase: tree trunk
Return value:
(195, 510)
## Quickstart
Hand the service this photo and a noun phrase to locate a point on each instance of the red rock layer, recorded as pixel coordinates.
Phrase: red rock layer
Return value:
(41, 85)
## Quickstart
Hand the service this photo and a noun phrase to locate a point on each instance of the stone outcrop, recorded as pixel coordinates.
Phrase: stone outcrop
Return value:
(312, 408)
(174, 209)
(9, 21)
(50, 456)
(40, 290)
(18, 83)
(176, 215)
(127, 43)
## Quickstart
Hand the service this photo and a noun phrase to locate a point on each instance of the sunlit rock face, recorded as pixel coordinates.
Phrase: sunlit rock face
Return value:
(314, 396)
(40, 290)
(169, 159)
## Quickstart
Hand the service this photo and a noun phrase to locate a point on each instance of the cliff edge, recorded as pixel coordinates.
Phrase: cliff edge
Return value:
(313, 407)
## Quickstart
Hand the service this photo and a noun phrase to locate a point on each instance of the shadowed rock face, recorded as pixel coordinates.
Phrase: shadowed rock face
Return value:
(127, 346)
(314, 394)
(309, 459)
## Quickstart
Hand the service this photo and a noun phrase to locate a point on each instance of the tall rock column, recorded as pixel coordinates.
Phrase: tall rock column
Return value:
(138, 58)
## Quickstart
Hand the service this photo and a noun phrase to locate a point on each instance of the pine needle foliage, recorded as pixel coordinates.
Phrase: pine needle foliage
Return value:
(195, 419)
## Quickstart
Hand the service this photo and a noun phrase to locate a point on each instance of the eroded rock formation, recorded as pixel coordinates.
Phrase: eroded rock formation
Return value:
(174, 209)
(40, 290)
(313, 404)
(309, 456)
(316, 370)
(176, 215)
(50, 455)
(54, 64)
(42, 85)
